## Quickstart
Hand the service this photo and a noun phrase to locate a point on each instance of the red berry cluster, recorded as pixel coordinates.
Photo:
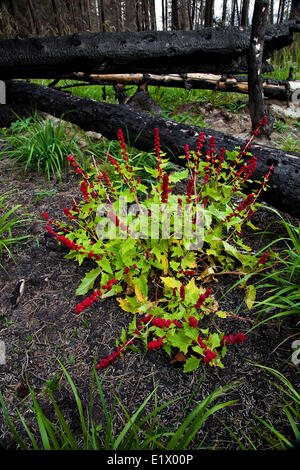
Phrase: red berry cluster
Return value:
(165, 188)
(88, 302)
(239, 338)
(188, 272)
(245, 172)
(75, 165)
(103, 176)
(157, 152)
(202, 298)
(182, 292)
(155, 344)
(263, 259)
(113, 356)
(193, 322)
(190, 190)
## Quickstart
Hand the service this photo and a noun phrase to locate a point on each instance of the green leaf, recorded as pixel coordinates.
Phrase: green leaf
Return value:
(221, 314)
(88, 281)
(192, 363)
(214, 340)
(105, 265)
(191, 332)
(174, 265)
(250, 296)
(178, 176)
(179, 340)
(171, 282)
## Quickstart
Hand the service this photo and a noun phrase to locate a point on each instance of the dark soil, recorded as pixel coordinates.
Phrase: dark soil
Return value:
(43, 328)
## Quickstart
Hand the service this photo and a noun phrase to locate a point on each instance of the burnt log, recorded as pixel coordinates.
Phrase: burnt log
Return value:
(106, 119)
(209, 50)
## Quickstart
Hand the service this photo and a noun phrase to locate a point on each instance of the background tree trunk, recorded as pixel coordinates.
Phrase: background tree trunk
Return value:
(224, 12)
(175, 18)
(295, 10)
(255, 89)
(245, 13)
(209, 13)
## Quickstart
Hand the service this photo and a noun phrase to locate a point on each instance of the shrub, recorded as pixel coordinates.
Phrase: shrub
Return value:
(127, 256)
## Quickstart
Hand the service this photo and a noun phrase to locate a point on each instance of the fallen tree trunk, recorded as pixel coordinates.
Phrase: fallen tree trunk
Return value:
(276, 89)
(106, 119)
(213, 50)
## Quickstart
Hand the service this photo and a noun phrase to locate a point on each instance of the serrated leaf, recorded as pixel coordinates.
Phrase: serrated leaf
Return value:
(123, 335)
(165, 263)
(171, 282)
(140, 288)
(126, 306)
(88, 281)
(174, 265)
(191, 332)
(192, 363)
(178, 176)
(250, 296)
(214, 340)
(221, 314)
(105, 265)
(179, 340)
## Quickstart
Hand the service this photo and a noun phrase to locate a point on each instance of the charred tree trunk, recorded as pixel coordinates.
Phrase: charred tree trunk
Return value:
(295, 10)
(255, 88)
(224, 12)
(211, 50)
(175, 18)
(108, 118)
(209, 13)
(245, 13)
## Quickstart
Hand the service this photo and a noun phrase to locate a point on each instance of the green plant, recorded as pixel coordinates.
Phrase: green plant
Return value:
(174, 316)
(290, 405)
(140, 430)
(7, 224)
(7, 323)
(290, 143)
(282, 282)
(41, 145)
(40, 195)
(53, 384)
(280, 126)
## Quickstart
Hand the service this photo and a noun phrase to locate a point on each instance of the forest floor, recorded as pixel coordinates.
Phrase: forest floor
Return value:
(43, 328)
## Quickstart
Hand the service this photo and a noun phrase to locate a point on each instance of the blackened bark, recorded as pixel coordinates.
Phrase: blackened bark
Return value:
(295, 10)
(175, 18)
(108, 118)
(209, 13)
(255, 88)
(224, 12)
(245, 13)
(210, 50)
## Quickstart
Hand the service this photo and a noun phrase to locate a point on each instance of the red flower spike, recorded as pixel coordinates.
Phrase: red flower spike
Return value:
(165, 188)
(193, 322)
(182, 292)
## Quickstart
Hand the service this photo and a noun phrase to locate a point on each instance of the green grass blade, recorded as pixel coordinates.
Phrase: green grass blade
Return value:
(12, 429)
